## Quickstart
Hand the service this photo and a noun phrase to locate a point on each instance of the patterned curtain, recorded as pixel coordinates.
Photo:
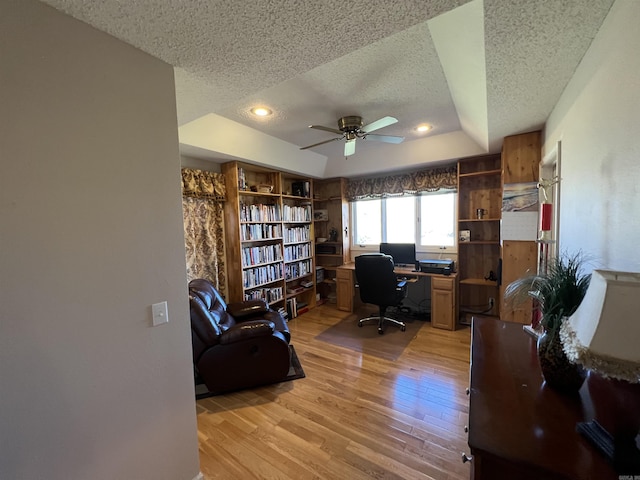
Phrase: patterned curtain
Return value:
(403, 184)
(203, 194)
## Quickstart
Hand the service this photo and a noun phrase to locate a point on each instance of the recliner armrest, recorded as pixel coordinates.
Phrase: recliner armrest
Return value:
(250, 329)
(247, 308)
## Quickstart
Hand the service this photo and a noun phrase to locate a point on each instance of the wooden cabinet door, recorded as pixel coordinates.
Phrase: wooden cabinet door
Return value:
(443, 303)
(344, 289)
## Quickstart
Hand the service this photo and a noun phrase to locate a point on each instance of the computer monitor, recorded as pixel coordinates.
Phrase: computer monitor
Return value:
(402, 253)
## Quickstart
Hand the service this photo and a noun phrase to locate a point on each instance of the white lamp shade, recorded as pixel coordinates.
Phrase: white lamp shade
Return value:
(604, 332)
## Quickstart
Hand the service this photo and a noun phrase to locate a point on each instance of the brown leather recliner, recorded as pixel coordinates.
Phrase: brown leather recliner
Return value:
(239, 345)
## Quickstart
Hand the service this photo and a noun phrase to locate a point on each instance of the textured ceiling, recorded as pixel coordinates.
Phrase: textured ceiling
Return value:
(477, 71)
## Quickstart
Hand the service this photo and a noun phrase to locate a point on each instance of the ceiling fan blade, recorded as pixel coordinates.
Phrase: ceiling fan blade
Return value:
(320, 143)
(383, 122)
(349, 147)
(326, 129)
(384, 138)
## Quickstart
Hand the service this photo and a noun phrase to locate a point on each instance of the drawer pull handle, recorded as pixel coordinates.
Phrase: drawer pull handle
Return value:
(466, 458)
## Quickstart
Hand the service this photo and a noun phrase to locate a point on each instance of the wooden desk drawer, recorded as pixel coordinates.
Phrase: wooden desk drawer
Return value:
(344, 273)
(442, 283)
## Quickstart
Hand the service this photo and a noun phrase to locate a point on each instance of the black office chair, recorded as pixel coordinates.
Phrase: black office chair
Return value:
(379, 285)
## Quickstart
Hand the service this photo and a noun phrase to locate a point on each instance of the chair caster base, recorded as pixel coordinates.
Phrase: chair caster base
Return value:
(385, 320)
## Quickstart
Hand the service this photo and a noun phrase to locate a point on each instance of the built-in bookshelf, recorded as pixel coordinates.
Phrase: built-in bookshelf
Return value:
(331, 223)
(299, 262)
(479, 214)
(269, 237)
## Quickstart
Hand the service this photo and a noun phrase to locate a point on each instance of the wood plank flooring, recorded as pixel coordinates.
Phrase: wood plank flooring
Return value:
(354, 416)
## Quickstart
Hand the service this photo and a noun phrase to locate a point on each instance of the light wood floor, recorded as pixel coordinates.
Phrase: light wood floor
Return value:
(354, 416)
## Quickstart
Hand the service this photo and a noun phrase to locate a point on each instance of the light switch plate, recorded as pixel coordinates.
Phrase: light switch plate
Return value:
(160, 313)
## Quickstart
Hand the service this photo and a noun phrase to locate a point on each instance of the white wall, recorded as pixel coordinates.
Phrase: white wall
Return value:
(90, 237)
(200, 164)
(597, 121)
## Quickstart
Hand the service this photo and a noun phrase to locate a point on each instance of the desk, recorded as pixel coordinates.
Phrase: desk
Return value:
(518, 428)
(444, 304)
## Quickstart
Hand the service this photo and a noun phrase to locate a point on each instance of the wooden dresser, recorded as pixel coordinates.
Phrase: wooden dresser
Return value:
(519, 428)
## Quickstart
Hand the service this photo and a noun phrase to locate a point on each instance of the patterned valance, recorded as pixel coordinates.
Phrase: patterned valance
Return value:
(203, 184)
(410, 183)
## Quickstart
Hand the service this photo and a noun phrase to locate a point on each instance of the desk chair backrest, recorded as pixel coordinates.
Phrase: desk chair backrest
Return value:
(376, 279)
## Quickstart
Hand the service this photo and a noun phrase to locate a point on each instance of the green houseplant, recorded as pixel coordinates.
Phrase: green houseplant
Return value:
(557, 293)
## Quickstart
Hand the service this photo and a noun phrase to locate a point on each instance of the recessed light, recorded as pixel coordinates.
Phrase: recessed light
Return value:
(423, 128)
(261, 111)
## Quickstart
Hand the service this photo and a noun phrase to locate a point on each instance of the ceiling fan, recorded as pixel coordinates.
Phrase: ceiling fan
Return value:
(350, 128)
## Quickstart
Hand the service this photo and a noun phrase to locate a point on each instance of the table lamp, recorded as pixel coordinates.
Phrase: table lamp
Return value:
(603, 335)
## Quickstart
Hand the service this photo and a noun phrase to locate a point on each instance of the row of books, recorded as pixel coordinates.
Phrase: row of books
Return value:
(267, 294)
(294, 213)
(260, 231)
(294, 252)
(297, 234)
(259, 213)
(259, 275)
(263, 254)
(297, 269)
(295, 308)
(283, 311)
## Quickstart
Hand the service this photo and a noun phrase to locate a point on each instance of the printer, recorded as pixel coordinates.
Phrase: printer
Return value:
(444, 267)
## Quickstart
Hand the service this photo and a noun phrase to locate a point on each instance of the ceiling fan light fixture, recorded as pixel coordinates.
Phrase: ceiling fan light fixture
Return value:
(261, 111)
(423, 128)
(351, 128)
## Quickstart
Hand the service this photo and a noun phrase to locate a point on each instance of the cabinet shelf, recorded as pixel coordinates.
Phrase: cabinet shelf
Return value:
(330, 268)
(327, 199)
(478, 281)
(295, 197)
(296, 293)
(463, 220)
(249, 193)
(482, 173)
(278, 239)
(293, 279)
(293, 243)
(480, 242)
(258, 222)
(258, 285)
(275, 262)
(293, 260)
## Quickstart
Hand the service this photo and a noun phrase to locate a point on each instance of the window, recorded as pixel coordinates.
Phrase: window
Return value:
(438, 220)
(427, 220)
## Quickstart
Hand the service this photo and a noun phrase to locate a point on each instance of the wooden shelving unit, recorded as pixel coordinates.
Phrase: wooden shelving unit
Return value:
(269, 236)
(331, 210)
(479, 188)
(520, 164)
